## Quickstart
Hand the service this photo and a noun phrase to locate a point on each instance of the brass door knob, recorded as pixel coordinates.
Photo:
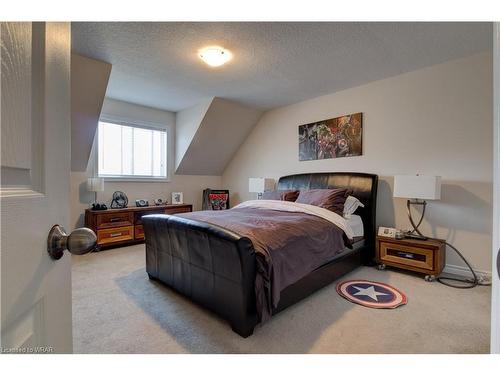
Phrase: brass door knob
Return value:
(80, 241)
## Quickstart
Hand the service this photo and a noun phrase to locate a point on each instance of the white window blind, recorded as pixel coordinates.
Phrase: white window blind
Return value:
(130, 151)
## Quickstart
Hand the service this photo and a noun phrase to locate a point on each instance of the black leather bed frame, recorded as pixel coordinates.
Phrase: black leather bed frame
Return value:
(216, 267)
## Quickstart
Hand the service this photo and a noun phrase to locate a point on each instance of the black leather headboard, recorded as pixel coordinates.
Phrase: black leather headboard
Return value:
(363, 185)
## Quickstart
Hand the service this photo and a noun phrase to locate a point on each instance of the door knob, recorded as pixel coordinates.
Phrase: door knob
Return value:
(80, 241)
(498, 263)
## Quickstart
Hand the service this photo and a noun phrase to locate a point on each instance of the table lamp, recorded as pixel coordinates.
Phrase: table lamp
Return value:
(417, 189)
(95, 184)
(259, 185)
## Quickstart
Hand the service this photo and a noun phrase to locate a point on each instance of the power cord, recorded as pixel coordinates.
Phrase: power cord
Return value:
(466, 283)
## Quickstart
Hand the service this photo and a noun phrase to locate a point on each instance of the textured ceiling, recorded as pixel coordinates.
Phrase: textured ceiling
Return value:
(274, 64)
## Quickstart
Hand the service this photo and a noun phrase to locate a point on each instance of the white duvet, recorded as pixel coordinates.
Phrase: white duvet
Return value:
(323, 213)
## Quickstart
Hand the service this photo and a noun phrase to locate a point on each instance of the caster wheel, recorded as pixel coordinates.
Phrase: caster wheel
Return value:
(430, 278)
(381, 267)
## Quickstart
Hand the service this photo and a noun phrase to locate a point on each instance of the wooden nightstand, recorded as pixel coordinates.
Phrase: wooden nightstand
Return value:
(423, 256)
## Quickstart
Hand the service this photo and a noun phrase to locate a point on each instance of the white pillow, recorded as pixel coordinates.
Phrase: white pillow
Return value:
(351, 205)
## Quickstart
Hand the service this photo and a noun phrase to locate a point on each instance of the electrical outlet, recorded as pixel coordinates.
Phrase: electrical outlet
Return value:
(484, 279)
(481, 280)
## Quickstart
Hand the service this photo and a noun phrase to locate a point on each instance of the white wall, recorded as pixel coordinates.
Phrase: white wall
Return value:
(435, 121)
(191, 186)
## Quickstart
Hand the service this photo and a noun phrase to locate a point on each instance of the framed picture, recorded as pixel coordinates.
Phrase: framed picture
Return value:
(177, 198)
(333, 138)
(215, 199)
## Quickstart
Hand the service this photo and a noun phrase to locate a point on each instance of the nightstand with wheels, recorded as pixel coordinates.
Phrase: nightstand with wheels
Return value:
(423, 256)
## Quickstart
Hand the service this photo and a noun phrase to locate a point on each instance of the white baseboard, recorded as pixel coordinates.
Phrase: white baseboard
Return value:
(465, 272)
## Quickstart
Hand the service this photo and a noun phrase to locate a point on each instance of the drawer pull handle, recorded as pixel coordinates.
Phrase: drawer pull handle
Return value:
(114, 219)
(115, 234)
(406, 255)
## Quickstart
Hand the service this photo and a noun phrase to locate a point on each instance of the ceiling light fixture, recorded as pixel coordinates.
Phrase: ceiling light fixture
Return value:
(215, 56)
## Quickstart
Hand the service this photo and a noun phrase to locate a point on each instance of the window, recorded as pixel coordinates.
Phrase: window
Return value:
(130, 151)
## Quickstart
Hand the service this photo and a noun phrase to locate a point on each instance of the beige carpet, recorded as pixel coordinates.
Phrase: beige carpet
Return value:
(117, 309)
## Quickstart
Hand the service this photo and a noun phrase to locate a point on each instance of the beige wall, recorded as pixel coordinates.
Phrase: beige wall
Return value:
(191, 186)
(435, 121)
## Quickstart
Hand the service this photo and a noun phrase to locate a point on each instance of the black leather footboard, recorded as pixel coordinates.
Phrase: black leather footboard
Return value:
(216, 267)
(209, 264)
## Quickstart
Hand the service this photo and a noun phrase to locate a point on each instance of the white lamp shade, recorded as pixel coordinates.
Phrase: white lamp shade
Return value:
(260, 185)
(95, 184)
(417, 187)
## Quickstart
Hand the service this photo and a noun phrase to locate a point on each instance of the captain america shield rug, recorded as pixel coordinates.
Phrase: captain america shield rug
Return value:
(371, 294)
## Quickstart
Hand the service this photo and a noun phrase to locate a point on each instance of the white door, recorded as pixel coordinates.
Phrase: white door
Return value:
(495, 297)
(35, 162)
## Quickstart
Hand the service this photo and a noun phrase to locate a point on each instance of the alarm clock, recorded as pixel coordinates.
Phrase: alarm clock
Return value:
(141, 203)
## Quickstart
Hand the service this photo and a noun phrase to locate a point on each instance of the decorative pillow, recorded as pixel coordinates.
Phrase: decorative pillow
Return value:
(331, 199)
(351, 205)
(281, 195)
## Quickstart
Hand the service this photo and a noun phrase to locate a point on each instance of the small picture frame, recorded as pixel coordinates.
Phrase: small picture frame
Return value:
(177, 198)
(387, 232)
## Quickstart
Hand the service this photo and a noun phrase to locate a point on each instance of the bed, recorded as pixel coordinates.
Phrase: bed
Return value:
(218, 267)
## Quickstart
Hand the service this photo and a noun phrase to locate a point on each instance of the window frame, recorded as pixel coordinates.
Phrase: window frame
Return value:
(135, 124)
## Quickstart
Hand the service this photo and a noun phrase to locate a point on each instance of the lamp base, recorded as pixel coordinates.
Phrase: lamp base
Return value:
(415, 232)
(414, 236)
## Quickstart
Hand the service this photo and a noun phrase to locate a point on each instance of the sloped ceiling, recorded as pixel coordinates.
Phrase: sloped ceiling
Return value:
(212, 131)
(156, 64)
(89, 81)
(274, 64)
(187, 123)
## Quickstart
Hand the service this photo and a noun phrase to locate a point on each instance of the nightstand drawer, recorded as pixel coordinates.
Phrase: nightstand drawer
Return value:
(177, 210)
(105, 236)
(115, 219)
(139, 232)
(138, 215)
(400, 254)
